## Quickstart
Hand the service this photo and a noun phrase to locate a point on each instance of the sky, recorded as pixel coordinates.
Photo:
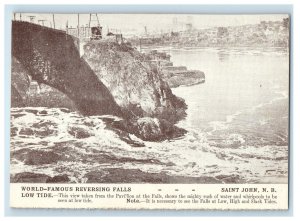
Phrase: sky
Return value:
(153, 22)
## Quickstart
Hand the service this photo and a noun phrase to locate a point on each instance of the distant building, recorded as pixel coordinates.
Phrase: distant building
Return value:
(189, 26)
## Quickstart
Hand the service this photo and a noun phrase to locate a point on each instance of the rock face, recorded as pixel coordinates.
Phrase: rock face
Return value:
(183, 78)
(41, 95)
(51, 57)
(134, 84)
(155, 129)
(27, 92)
(175, 75)
(16, 99)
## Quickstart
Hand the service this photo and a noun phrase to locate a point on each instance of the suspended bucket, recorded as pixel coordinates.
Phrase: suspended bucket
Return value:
(96, 33)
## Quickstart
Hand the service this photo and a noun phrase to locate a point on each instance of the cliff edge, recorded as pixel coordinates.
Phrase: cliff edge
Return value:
(51, 57)
(138, 89)
(134, 84)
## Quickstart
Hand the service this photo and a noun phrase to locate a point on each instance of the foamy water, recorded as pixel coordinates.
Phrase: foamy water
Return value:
(237, 127)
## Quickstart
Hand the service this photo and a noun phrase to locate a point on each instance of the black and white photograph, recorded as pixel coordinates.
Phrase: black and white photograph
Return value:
(149, 98)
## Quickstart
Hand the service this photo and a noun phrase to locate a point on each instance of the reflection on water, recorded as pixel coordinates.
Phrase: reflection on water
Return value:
(237, 128)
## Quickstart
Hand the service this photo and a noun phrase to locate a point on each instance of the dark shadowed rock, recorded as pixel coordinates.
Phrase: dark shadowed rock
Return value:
(234, 178)
(135, 85)
(40, 129)
(119, 175)
(27, 92)
(43, 95)
(79, 132)
(153, 129)
(13, 131)
(17, 115)
(149, 128)
(19, 84)
(185, 78)
(16, 99)
(26, 131)
(43, 112)
(58, 179)
(27, 177)
(51, 57)
(33, 111)
(65, 110)
(35, 157)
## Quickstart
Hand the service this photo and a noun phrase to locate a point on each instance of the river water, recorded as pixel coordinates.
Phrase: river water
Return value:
(237, 124)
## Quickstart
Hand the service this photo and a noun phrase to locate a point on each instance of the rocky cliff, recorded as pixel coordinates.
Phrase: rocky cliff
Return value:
(51, 58)
(175, 76)
(29, 93)
(135, 85)
(110, 79)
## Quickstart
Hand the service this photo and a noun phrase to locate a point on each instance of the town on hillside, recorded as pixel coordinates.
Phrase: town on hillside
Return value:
(265, 34)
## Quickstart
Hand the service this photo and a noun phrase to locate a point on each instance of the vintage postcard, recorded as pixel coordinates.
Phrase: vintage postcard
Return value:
(149, 111)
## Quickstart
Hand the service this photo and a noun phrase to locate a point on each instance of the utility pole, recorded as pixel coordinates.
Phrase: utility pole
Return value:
(42, 22)
(90, 21)
(53, 21)
(67, 29)
(31, 18)
(78, 29)
(20, 17)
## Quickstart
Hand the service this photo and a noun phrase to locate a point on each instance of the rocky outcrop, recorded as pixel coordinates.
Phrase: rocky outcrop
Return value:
(16, 99)
(29, 93)
(175, 76)
(51, 57)
(155, 129)
(183, 78)
(134, 84)
(119, 175)
(27, 177)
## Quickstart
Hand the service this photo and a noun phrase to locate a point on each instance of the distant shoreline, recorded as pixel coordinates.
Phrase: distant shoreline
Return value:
(177, 47)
